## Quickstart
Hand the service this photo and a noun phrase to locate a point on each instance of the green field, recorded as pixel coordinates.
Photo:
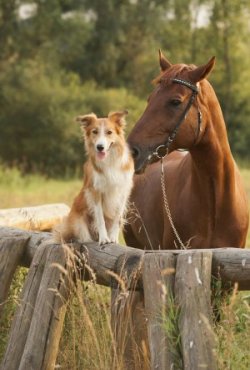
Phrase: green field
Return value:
(87, 339)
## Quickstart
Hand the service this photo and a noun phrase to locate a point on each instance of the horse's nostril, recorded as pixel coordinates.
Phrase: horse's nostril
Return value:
(135, 152)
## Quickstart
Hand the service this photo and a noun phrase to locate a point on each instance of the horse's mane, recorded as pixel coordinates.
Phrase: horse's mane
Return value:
(175, 71)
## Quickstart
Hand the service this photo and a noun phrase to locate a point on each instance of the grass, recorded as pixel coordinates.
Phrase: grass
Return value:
(87, 337)
(87, 341)
(233, 339)
(21, 191)
(10, 306)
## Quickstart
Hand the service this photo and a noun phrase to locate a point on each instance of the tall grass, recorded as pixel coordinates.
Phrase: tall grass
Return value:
(233, 332)
(87, 338)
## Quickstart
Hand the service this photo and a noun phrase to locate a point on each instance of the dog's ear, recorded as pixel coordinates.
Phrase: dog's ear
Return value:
(86, 120)
(118, 117)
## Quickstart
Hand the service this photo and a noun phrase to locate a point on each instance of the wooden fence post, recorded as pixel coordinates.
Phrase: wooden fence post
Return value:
(128, 323)
(128, 319)
(36, 329)
(192, 292)
(11, 253)
(158, 284)
(22, 319)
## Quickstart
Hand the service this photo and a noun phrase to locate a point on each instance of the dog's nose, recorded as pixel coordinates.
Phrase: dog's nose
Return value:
(100, 147)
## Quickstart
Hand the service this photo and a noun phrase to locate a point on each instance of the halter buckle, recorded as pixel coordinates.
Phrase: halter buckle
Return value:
(158, 149)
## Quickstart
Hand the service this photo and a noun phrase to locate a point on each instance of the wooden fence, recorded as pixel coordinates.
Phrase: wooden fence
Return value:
(151, 279)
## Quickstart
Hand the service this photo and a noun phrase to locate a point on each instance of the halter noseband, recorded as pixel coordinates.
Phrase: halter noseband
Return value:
(165, 147)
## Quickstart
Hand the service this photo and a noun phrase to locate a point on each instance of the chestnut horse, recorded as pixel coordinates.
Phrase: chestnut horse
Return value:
(206, 197)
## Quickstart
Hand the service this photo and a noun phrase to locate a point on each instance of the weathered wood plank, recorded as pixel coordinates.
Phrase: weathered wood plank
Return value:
(42, 217)
(36, 239)
(11, 252)
(232, 265)
(158, 284)
(111, 257)
(192, 293)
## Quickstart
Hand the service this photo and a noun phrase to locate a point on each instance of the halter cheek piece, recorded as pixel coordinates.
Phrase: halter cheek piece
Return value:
(162, 149)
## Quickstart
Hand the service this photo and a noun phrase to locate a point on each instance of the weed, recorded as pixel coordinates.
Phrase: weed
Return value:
(10, 306)
(233, 332)
(170, 325)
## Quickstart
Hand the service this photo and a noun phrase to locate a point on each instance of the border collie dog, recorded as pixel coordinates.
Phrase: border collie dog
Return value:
(98, 210)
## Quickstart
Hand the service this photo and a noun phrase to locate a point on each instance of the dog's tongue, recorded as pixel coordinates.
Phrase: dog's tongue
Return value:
(101, 155)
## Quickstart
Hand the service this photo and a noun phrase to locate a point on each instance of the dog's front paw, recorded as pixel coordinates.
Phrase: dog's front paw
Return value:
(103, 240)
(114, 236)
(114, 240)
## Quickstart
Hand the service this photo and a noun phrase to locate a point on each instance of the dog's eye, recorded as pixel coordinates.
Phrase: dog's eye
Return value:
(95, 132)
(109, 132)
(175, 102)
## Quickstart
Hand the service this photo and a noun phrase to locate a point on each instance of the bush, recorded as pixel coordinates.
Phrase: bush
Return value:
(37, 110)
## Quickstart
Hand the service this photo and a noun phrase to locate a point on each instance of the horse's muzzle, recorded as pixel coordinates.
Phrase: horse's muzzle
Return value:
(141, 159)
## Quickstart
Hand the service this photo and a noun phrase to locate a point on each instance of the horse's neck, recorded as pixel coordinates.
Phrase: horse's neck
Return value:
(214, 167)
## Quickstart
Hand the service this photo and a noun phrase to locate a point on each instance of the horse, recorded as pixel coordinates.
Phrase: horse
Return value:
(205, 205)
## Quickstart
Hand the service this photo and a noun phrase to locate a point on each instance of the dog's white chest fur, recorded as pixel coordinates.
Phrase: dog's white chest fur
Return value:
(114, 185)
(112, 175)
(111, 179)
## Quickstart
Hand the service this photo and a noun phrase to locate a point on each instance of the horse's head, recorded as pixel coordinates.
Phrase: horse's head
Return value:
(172, 118)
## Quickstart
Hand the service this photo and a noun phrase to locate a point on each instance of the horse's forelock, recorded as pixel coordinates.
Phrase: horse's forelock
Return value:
(176, 71)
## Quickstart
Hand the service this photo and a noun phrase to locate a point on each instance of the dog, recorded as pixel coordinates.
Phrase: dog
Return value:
(98, 210)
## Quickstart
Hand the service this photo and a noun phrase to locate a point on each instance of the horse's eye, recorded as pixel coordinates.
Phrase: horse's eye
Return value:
(175, 102)
(109, 132)
(95, 132)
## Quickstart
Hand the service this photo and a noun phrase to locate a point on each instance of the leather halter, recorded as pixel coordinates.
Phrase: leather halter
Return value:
(163, 149)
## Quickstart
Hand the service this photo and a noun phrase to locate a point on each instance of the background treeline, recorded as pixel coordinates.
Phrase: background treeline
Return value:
(60, 58)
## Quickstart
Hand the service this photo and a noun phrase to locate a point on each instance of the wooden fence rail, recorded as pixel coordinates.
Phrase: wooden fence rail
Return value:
(184, 275)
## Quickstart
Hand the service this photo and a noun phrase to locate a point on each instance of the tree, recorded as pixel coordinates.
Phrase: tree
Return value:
(8, 27)
(229, 30)
(77, 56)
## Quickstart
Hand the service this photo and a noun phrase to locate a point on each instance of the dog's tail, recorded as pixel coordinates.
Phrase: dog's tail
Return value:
(61, 232)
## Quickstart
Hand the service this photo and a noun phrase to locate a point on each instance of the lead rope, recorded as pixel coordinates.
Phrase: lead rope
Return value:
(167, 208)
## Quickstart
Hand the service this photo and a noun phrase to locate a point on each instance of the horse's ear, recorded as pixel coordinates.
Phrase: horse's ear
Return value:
(118, 117)
(86, 120)
(164, 63)
(202, 72)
